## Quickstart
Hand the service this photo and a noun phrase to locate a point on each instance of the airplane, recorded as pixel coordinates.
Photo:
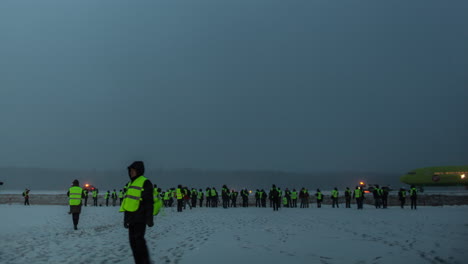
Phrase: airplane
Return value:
(437, 176)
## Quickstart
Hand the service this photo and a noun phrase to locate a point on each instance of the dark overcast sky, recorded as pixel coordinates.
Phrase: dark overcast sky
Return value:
(246, 84)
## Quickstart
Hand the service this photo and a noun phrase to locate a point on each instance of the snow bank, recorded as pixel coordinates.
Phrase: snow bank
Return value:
(44, 234)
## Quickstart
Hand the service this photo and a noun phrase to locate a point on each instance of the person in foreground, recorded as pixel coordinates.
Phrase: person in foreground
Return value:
(137, 206)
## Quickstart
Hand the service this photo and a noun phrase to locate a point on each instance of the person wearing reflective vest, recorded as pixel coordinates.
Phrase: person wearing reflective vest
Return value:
(85, 193)
(114, 197)
(377, 192)
(200, 197)
(214, 197)
(359, 195)
(107, 196)
(95, 197)
(180, 198)
(334, 196)
(166, 198)
(348, 197)
(294, 198)
(138, 208)
(158, 203)
(208, 197)
(413, 196)
(75, 194)
(402, 197)
(194, 197)
(319, 196)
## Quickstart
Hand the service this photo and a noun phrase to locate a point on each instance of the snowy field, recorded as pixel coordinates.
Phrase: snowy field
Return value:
(44, 234)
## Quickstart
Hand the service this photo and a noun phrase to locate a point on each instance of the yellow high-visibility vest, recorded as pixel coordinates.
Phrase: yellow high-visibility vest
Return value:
(132, 198)
(75, 195)
(179, 194)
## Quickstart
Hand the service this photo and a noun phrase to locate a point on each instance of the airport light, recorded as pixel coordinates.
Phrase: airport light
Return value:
(462, 176)
(361, 183)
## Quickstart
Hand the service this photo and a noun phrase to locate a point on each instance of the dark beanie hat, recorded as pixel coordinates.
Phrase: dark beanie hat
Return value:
(138, 166)
(76, 182)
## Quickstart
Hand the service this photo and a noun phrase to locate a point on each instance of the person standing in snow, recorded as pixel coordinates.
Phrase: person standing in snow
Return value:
(26, 196)
(138, 205)
(274, 197)
(348, 197)
(114, 198)
(95, 197)
(413, 196)
(334, 196)
(75, 194)
(200, 197)
(85, 197)
(294, 198)
(319, 197)
(359, 195)
(107, 196)
(402, 197)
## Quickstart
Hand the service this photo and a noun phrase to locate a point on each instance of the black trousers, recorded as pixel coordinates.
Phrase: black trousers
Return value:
(402, 202)
(136, 235)
(359, 203)
(86, 201)
(107, 202)
(413, 203)
(26, 201)
(95, 201)
(384, 202)
(201, 202)
(348, 202)
(76, 219)
(275, 204)
(294, 202)
(335, 202)
(180, 204)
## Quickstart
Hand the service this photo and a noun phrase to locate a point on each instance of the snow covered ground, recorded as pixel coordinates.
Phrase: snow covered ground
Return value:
(44, 234)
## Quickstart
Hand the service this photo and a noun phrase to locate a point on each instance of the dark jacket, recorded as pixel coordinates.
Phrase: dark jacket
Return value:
(144, 214)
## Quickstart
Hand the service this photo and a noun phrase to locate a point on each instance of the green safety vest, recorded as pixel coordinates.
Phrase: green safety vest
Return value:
(213, 192)
(379, 191)
(114, 194)
(285, 200)
(106, 196)
(179, 194)
(121, 195)
(293, 195)
(132, 198)
(200, 195)
(207, 193)
(413, 191)
(94, 194)
(166, 195)
(319, 196)
(357, 193)
(75, 195)
(157, 203)
(334, 193)
(403, 194)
